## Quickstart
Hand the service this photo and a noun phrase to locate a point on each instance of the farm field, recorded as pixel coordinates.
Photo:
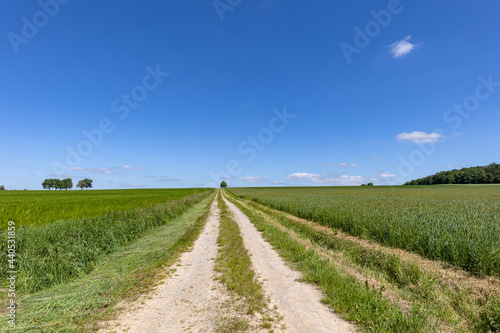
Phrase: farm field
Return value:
(256, 262)
(65, 235)
(456, 224)
(380, 288)
(67, 279)
(31, 208)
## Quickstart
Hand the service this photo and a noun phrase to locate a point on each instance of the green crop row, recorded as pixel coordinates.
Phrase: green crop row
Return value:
(456, 224)
(29, 208)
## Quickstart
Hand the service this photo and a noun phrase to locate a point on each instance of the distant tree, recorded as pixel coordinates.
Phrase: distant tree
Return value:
(474, 175)
(59, 184)
(67, 183)
(223, 184)
(363, 184)
(81, 184)
(2, 188)
(369, 184)
(50, 183)
(88, 183)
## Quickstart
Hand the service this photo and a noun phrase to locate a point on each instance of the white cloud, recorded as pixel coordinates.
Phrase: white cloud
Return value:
(347, 165)
(402, 47)
(166, 179)
(419, 137)
(65, 176)
(93, 170)
(253, 179)
(300, 176)
(329, 164)
(374, 157)
(449, 166)
(387, 175)
(342, 180)
(128, 167)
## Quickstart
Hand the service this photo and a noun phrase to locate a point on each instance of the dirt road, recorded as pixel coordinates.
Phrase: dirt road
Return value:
(189, 301)
(298, 303)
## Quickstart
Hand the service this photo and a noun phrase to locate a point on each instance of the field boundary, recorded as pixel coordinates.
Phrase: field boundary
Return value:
(80, 305)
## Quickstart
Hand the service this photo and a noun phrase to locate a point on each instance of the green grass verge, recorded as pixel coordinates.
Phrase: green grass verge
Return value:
(79, 305)
(354, 301)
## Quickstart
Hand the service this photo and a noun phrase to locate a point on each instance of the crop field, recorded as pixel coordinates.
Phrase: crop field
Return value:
(459, 225)
(30, 208)
(63, 235)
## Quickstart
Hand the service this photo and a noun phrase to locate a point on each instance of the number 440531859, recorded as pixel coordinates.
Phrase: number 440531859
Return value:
(11, 239)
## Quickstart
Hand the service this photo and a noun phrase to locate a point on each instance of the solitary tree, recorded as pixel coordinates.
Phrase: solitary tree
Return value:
(369, 184)
(223, 184)
(2, 188)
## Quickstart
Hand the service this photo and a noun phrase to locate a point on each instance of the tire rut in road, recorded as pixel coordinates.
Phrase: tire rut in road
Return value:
(188, 300)
(298, 303)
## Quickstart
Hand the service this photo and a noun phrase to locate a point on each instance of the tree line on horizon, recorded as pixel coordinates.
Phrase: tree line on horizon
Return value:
(66, 183)
(489, 174)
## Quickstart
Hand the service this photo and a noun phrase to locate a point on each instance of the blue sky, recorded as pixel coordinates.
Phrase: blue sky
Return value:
(259, 93)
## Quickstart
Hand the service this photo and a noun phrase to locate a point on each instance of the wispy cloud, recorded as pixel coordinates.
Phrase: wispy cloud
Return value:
(347, 165)
(301, 176)
(418, 137)
(253, 179)
(342, 180)
(328, 164)
(167, 179)
(128, 167)
(65, 176)
(374, 157)
(93, 170)
(387, 175)
(449, 166)
(402, 47)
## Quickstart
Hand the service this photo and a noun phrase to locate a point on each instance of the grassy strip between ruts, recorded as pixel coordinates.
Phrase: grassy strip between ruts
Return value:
(80, 305)
(353, 300)
(457, 302)
(236, 273)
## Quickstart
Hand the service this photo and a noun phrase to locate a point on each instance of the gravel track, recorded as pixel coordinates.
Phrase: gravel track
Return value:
(190, 300)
